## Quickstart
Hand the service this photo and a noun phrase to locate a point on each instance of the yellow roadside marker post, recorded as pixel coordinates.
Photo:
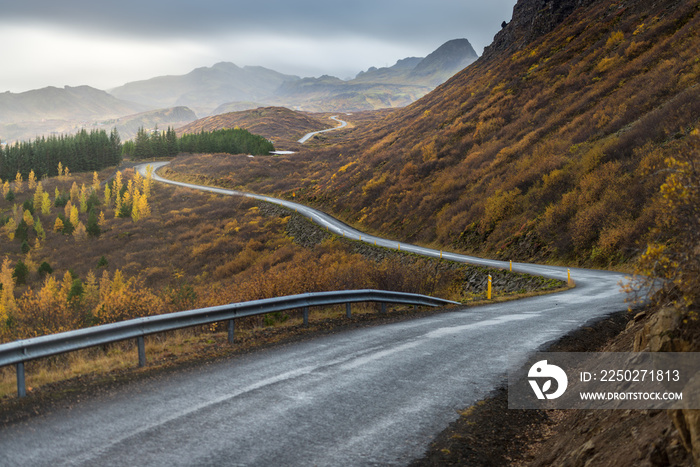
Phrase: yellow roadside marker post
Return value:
(488, 293)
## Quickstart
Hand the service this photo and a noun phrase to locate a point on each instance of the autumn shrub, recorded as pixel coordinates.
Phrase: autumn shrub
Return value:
(121, 299)
(45, 312)
(670, 266)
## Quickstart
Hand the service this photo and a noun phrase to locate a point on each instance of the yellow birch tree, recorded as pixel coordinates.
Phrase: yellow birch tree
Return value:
(18, 183)
(74, 193)
(144, 208)
(31, 180)
(45, 204)
(74, 219)
(135, 214)
(67, 209)
(28, 218)
(10, 228)
(80, 232)
(83, 198)
(108, 196)
(7, 300)
(95, 182)
(38, 195)
(58, 225)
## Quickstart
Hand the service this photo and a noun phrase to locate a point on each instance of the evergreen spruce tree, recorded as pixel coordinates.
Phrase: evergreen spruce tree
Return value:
(171, 142)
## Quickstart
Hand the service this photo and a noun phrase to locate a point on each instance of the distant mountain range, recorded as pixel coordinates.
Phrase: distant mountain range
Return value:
(224, 87)
(74, 103)
(204, 89)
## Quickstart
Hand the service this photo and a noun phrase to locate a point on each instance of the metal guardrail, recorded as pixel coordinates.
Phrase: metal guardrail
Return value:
(19, 352)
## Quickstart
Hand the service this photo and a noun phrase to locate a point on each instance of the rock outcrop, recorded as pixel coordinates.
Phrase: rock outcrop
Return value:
(661, 334)
(532, 19)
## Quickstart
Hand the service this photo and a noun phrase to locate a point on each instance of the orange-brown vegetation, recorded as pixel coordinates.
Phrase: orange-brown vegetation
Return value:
(671, 262)
(548, 152)
(191, 250)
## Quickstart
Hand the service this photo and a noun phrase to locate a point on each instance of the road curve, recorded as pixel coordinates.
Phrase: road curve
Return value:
(363, 397)
(308, 136)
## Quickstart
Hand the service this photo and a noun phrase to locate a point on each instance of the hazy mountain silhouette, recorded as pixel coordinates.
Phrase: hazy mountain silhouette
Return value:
(205, 88)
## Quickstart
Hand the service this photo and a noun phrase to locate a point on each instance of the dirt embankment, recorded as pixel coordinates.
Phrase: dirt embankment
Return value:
(488, 433)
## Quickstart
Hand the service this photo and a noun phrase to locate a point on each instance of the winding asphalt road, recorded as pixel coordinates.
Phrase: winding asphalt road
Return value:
(308, 136)
(374, 396)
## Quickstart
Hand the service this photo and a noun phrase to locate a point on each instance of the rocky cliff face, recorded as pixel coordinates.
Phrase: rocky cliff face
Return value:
(532, 19)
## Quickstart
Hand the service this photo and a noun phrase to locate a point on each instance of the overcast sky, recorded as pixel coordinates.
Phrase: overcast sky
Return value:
(106, 44)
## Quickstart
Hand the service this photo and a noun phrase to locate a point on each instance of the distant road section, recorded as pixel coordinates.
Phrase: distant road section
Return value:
(308, 136)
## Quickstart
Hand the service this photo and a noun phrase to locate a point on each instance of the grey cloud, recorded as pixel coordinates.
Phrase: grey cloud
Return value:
(407, 21)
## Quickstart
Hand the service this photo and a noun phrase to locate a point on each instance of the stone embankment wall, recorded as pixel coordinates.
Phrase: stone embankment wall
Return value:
(475, 279)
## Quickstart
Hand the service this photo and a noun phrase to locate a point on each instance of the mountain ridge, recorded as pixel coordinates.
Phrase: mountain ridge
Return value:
(396, 86)
(205, 89)
(50, 103)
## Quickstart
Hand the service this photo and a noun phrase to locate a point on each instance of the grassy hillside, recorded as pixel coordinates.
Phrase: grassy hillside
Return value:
(279, 124)
(184, 249)
(548, 151)
(551, 151)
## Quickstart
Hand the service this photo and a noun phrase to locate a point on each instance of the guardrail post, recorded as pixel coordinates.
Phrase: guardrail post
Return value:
(142, 351)
(21, 385)
(348, 313)
(231, 329)
(383, 308)
(306, 316)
